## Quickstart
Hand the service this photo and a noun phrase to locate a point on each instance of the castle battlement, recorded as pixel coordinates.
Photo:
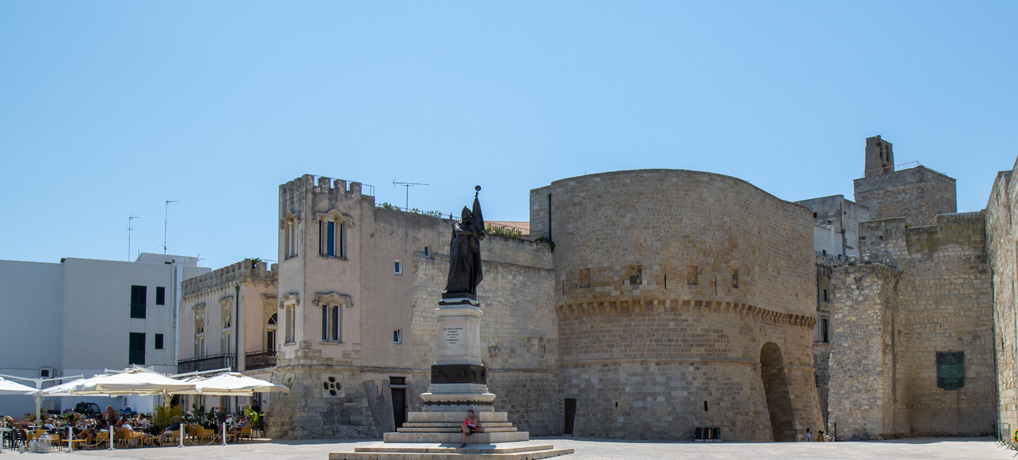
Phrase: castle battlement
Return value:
(323, 184)
(248, 270)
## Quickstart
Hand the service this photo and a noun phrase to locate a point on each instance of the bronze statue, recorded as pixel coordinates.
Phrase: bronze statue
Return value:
(465, 253)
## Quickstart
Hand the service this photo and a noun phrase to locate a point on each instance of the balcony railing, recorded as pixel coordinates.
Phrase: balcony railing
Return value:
(207, 363)
(260, 359)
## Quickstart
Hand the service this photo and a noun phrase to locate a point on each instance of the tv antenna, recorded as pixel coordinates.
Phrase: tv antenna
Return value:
(406, 185)
(129, 228)
(166, 217)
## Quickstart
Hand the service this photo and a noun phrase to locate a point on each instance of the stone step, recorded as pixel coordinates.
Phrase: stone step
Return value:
(453, 429)
(457, 437)
(432, 451)
(483, 417)
(451, 424)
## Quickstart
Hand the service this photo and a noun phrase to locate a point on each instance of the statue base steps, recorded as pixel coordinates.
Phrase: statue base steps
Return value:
(444, 427)
(436, 451)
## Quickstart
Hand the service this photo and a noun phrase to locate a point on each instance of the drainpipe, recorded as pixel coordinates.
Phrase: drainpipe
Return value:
(236, 321)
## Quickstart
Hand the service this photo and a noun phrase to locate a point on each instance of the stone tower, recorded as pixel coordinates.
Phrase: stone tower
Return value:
(879, 157)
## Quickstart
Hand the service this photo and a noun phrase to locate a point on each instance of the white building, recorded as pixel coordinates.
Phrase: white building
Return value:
(82, 316)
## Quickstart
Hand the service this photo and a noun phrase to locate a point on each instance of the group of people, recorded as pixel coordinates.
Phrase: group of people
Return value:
(136, 427)
(820, 436)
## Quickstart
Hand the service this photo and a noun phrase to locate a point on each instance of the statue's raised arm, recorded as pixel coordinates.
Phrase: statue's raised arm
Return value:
(465, 253)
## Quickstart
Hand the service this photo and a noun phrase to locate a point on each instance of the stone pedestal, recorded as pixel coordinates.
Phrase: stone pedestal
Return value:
(459, 382)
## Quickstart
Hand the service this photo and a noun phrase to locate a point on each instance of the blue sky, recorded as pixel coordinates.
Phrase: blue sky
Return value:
(107, 109)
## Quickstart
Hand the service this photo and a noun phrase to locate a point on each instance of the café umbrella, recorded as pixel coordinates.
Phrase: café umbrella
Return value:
(130, 381)
(234, 384)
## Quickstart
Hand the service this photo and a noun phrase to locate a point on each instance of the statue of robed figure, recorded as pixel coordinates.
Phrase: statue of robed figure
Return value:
(465, 253)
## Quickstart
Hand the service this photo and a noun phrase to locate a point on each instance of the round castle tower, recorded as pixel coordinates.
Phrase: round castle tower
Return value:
(685, 299)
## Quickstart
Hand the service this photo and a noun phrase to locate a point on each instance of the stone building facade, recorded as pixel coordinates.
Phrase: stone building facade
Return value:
(1002, 248)
(684, 299)
(911, 351)
(654, 302)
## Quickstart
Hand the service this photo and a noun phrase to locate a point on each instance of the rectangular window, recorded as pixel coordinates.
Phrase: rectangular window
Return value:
(398, 267)
(824, 330)
(325, 323)
(735, 278)
(335, 323)
(692, 275)
(397, 336)
(321, 238)
(330, 239)
(289, 323)
(331, 323)
(825, 296)
(951, 370)
(160, 295)
(342, 240)
(139, 295)
(159, 342)
(136, 350)
(427, 251)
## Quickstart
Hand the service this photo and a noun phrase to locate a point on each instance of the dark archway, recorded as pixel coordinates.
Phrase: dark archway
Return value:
(779, 401)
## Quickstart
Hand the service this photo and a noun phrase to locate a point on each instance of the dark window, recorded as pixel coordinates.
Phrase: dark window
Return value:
(825, 296)
(335, 323)
(951, 370)
(138, 297)
(325, 322)
(824, 328)
(735, 278)
(136, 351)
(160, 295)
(159, 342)
(330, 242)
(321, 241)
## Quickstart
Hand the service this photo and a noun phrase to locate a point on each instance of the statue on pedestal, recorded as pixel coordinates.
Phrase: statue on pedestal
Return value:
(465, 253)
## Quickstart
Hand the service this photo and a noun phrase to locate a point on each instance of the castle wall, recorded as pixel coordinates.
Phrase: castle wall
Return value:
(940, 304)
(1001, 238)
(680, 278)
(917, 194)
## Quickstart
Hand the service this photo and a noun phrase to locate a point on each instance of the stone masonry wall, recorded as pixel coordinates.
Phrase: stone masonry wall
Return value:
(1001, 239)
(862, 360)
(668, 286)
(941, 303)
(917, 194)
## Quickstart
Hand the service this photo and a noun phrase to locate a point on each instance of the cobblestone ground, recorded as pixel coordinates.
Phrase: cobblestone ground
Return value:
(931, 448)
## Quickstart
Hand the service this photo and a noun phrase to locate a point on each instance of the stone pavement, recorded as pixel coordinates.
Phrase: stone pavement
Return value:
(589, 448)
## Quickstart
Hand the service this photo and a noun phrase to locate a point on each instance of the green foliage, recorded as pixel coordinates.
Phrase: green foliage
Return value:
(389, 206)
(254, 416)
(164, 415)
(508, 232)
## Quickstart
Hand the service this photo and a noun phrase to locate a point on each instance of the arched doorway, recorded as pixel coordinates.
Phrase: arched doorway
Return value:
(779, 401)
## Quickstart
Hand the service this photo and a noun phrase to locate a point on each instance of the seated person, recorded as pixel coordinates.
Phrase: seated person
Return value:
(165, 437)
(50, 426)
(470, 426)
(238, 427)
(81, 430)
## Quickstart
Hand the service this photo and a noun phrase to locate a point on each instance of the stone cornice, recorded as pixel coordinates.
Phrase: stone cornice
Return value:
(332, 298)
(701, 306)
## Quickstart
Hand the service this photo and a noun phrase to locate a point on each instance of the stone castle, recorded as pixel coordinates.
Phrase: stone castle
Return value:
(640, 304)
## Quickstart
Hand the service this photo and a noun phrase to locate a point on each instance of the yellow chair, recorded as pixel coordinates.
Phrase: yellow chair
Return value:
(245, 432)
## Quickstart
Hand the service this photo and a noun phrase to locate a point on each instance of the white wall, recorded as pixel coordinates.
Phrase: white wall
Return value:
(74, 317)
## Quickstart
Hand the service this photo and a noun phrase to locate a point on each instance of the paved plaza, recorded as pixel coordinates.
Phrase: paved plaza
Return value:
(925, 448)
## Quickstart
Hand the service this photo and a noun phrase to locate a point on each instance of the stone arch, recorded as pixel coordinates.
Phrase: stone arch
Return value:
(779, 400)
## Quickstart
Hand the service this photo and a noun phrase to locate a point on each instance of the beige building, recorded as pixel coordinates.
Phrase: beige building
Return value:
(640, 304)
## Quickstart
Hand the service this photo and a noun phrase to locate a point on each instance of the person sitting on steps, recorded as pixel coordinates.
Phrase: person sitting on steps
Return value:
(470, 426)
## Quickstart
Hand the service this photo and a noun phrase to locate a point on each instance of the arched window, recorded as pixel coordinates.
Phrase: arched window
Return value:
(270, 333)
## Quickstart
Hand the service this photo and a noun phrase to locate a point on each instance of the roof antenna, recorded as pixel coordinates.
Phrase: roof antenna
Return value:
(166, 216)
(407, 185)
(129, 228)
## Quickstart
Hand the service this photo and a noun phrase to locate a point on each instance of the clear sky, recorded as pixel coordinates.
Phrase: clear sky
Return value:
(107, 109)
